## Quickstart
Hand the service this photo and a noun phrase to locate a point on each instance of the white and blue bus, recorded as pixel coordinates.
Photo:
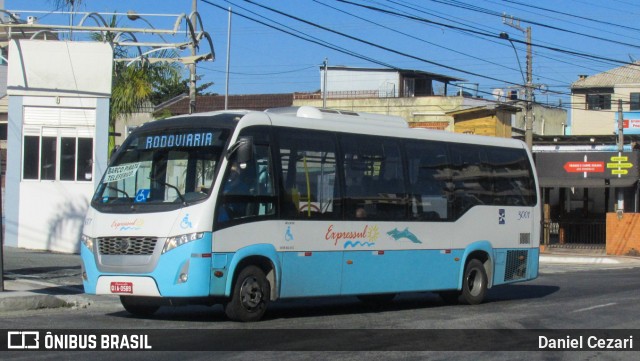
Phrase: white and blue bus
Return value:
(242, 208)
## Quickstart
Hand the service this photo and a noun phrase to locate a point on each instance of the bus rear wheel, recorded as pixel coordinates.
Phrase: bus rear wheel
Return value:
(138, 307)
(249, 297)
(474, 284)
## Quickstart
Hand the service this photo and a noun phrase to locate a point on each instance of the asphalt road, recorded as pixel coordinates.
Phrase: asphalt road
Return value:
(561, 298)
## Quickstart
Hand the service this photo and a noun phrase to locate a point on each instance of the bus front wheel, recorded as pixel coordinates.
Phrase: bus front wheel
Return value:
(250, 296)
(138, 307)
(474, 284)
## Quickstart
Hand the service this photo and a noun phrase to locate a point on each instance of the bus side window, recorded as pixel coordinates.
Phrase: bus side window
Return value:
(308, 161)
(374, 178)
(247, 190)
(429, 179)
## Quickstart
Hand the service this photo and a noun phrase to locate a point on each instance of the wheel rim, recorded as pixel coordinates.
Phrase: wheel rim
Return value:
(474, 283)
(250, 293)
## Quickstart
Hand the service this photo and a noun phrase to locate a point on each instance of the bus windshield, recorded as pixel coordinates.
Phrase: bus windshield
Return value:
(170, 167)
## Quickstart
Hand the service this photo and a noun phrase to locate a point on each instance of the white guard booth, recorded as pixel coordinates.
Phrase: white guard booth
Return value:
(57, 139)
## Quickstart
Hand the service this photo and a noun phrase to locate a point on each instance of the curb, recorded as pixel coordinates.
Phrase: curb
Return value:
(577, 259)
(26, 295)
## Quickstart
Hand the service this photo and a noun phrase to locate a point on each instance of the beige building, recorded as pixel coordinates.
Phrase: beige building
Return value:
(433, 112)
(422, 99)
(595, 99)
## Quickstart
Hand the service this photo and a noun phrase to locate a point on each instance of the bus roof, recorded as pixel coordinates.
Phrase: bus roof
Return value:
(348, 121)
(374, 124)
(341, 115)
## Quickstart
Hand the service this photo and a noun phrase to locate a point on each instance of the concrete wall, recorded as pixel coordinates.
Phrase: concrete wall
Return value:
(128, 123)
(590, 122)
(414, 109)
(338, 80)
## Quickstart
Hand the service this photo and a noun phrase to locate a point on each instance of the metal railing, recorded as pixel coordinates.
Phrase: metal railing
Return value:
(567, 232)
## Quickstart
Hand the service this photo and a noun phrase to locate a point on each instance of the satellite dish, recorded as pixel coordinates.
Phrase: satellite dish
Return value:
(498, 94)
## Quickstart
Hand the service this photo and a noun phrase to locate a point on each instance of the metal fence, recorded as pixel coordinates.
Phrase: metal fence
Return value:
(567, 232)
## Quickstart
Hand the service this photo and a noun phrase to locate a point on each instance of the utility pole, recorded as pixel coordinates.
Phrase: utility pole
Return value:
(324, 88)
(620, 127)
(192, 67)
(528, 87)
(620, 205)
(226, 87)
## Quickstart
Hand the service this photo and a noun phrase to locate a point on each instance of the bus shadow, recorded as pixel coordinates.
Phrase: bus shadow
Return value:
(335, 306)
(300, 308)
(514, 292)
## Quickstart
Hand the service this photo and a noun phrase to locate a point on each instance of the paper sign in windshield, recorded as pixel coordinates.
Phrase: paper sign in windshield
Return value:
(120, 172)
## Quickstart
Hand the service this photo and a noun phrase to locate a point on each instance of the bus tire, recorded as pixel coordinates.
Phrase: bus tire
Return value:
(249, 297)
(474, 283)
(137, 307)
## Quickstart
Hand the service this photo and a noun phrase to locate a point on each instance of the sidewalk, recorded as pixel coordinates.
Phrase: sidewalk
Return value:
(40, 279)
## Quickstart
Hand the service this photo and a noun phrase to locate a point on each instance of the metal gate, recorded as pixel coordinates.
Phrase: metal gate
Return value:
(569, 233)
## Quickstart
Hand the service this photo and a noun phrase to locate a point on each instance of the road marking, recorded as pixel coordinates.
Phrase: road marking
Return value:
(594, 307)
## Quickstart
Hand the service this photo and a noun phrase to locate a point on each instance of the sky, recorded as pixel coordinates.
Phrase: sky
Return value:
(279, 46)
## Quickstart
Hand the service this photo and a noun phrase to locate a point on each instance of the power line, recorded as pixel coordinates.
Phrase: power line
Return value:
(483, 33)
(308, 38)
(377, 45)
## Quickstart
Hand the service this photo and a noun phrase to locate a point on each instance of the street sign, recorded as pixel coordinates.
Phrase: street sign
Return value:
(584, 167)
(619, 165)
(619, 171)
(619, 159)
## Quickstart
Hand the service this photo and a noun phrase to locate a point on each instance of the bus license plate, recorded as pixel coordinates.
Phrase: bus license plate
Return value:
(122, 287)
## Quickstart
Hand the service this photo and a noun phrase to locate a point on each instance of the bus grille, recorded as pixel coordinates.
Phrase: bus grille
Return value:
(127, 245)
(516, 265)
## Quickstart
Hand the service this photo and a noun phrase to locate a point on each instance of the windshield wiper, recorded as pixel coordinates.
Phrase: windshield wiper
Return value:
(119, 191)
(184, 201)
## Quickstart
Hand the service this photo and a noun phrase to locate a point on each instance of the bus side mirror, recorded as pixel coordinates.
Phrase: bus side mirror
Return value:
(242, 149)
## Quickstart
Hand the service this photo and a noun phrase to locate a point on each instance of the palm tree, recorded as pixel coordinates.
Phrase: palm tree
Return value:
(134, 82)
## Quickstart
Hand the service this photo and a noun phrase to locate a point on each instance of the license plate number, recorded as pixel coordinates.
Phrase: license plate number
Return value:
(122, 287)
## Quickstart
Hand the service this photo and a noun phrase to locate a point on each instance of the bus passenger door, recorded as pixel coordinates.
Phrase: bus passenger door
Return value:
(309, 209)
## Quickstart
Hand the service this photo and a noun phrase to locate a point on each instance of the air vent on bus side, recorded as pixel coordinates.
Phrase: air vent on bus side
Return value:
(516, 265)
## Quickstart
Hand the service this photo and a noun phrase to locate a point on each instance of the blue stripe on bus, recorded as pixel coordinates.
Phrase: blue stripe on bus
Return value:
(90, 269)
(329, 273)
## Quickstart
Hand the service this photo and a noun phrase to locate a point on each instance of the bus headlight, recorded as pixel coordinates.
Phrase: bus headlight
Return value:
(87, 241)
(177, 241)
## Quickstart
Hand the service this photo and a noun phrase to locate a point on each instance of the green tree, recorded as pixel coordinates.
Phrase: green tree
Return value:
(135, 82)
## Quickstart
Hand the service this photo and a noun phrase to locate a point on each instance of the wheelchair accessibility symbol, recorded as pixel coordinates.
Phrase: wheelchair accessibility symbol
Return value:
(186, 222)
(142, 195)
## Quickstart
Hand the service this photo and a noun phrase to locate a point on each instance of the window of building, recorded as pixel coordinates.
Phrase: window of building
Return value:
(64, 154)
(598, 101)
(634, 101)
